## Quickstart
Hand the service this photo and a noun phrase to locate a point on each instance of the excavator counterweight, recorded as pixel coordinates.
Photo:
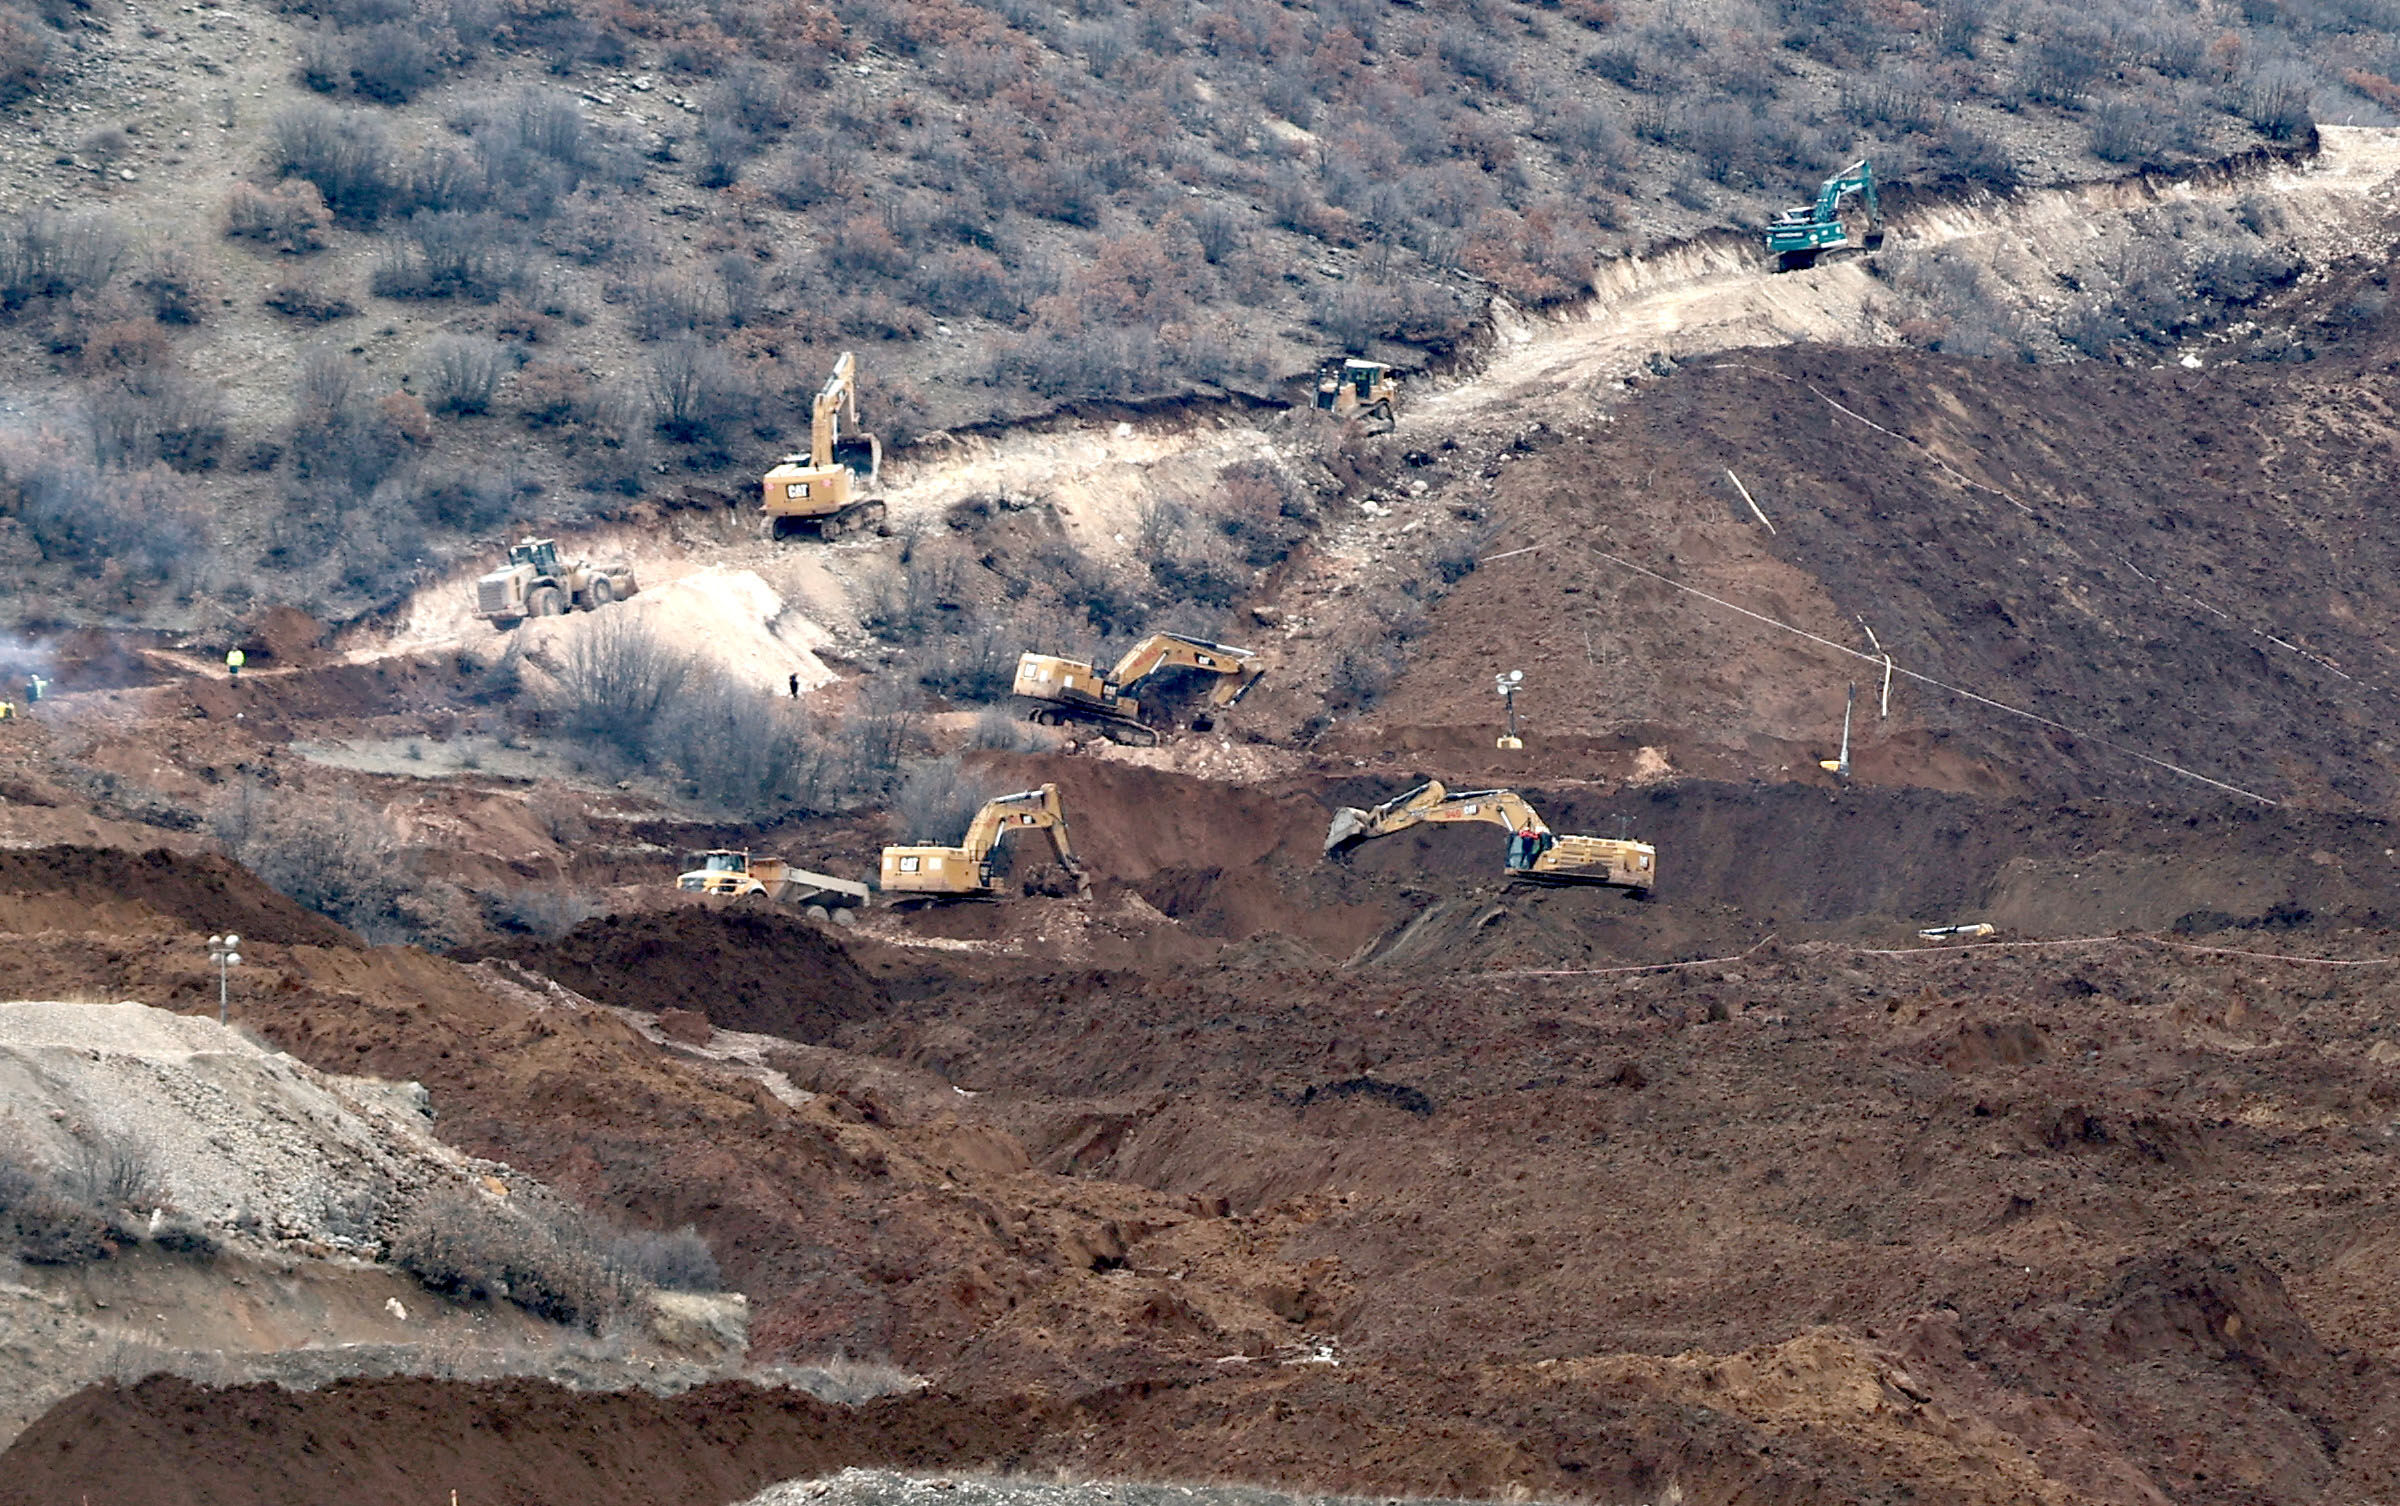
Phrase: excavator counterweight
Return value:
(1534, 853)
(966, 870)
(1064, 690)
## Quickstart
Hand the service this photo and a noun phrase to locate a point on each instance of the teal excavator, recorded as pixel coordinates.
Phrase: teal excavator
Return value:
(1798, 234)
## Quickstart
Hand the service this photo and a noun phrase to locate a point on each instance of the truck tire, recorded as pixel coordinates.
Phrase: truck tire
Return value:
(545, 601)
(601, 592)
(845, 916)
(815, 912)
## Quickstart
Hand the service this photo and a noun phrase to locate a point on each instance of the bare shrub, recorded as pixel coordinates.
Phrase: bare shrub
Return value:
(346, 154)
(290, 216)
(467, 501)
(1001, 727)
(393, 63)
(112, 1175)
(969, 283)
(156, 414)
(462, 1244)
(699, 395)
(548, 395)
(312, 299)
(336, 856)
(742, 748)
(615, 678)
(935, 801)
(43, 1222)
(177, 284)
(142, 524)
(44, 255)
(454, 254)
(462, 373)
(2065, 61)
(26, 54)
(545, 910)
(107, 144)
(680, 1261)
(2276, 101)
(667, 304)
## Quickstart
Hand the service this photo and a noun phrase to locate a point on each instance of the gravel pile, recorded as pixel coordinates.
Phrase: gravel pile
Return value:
(185, 1115)
(875, 1487)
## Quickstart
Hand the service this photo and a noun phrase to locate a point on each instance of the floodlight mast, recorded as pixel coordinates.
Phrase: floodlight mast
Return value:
(1506, 685)
(221, 952)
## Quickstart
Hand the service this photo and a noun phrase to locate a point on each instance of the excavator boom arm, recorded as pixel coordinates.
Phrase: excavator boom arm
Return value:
(1032, 810)
(1858, 178)
(1239, 666)
(1431, 801)
(825, 419)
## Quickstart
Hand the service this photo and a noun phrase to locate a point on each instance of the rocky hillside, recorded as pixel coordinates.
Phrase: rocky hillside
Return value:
(303, 298)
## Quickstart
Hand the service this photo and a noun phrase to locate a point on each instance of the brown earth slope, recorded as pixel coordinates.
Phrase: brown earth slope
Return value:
(2189, 565)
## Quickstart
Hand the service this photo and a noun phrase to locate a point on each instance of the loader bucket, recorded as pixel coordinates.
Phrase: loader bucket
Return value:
(1349, 825)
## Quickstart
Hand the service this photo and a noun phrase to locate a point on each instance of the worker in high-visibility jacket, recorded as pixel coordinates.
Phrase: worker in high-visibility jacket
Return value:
(233, 663)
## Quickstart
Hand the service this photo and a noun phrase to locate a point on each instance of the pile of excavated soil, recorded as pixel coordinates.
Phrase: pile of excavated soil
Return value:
(744, 968)
(69, 888)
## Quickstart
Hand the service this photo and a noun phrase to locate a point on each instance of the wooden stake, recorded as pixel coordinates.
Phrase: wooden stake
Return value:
(1755, 510)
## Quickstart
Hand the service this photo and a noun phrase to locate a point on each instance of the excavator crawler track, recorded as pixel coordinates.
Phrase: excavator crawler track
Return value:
(1115, 729)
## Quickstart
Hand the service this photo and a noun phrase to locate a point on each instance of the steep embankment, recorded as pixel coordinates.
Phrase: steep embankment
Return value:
(2170, 567)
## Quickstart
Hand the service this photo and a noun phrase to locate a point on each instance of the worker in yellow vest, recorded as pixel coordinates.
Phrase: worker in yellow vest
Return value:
(233, 663)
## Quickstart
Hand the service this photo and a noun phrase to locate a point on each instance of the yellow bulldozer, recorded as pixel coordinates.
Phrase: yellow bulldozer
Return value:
(1535, 854)
(819, 492)
(966, 870)
(734, 874)
(1366, 389)
(1068, 690)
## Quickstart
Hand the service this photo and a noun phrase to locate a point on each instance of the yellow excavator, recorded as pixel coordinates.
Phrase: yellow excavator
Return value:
(1535, 853)
(966, 870)
(1068, 690)
(817, 492)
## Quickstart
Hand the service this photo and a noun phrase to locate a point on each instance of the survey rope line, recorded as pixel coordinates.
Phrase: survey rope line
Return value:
(1942, 685)
(1955, 474)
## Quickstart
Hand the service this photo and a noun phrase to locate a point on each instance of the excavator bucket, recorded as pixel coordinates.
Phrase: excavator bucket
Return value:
(1349, 825)
(861, 453)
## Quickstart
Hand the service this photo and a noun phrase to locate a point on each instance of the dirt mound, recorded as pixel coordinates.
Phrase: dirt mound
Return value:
(743, 969)
(503, 1441)
(206, 893)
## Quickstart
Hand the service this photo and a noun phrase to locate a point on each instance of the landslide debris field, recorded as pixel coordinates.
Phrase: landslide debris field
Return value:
(1384, 1177)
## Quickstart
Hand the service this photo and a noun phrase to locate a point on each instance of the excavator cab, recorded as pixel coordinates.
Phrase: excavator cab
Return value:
(1525, 848)
(720, 872)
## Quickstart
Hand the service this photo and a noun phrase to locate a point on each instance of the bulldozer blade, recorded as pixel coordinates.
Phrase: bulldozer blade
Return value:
(1349, 824)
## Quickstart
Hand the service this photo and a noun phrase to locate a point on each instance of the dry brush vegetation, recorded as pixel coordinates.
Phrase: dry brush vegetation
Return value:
(1006, 206)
